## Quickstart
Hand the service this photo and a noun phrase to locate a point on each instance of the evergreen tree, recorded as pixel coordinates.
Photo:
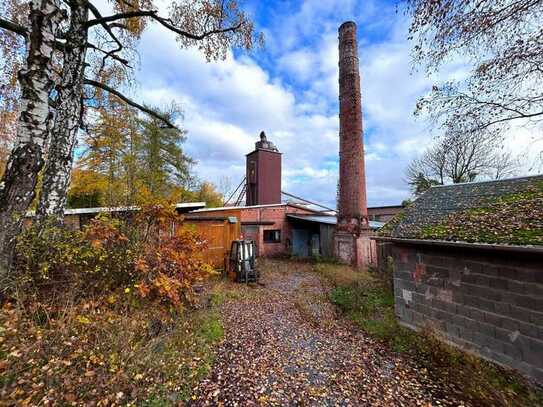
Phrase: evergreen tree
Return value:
(165, 168)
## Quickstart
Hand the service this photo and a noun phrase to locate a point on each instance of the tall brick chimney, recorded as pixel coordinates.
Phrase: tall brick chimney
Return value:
(263, 174)
(351, 242)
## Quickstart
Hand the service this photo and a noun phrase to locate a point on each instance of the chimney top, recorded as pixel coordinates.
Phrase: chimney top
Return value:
(347, 24)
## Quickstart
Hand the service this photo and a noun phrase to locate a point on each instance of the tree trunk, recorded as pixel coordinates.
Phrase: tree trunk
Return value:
(26, 158)
(56, 177)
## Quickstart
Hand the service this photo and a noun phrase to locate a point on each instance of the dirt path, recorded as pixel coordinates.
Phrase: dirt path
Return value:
(285, 345)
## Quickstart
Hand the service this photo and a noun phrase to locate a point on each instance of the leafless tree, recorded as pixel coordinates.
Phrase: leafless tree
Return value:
(457, 158)
(93, 55)
(503, 39)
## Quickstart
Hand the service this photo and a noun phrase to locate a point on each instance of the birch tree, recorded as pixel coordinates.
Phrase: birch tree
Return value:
(26, 159)
(12, 55)
(213, 26)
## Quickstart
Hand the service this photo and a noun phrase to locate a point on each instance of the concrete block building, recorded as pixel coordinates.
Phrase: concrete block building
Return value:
(467, 261)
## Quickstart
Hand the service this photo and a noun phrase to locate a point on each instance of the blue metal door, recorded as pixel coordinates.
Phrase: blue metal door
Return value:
(300, 243)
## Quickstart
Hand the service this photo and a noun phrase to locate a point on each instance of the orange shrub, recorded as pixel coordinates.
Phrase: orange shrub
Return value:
(170, 266)
(110, 254)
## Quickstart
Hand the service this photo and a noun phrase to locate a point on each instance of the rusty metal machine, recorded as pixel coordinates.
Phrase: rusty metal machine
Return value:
(242, 261)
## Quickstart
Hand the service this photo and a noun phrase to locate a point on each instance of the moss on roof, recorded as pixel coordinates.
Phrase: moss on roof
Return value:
(511, 219)
(513, 215)
(387, 228)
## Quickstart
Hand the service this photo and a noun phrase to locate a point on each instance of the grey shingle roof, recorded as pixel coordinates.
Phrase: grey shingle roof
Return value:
(443, 203)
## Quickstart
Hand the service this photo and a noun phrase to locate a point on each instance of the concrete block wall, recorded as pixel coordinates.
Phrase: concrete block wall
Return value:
(485, 301)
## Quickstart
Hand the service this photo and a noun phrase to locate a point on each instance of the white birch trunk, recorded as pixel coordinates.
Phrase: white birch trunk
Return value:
(26, 158)
(56, 177)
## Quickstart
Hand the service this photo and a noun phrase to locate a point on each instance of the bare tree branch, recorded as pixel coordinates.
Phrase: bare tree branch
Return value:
(130, 102)
(120, 16)
(13, 27)
(459, 158)
(502, 40)
(167, 23)
(164, 21)
(113, 56)
(108, 29)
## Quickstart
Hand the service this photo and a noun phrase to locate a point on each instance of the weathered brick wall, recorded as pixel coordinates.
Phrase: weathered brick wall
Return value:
(486, 301)
(352, 178)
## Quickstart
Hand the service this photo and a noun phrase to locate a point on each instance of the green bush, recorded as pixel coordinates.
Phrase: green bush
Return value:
(343, 297)
(100, 257)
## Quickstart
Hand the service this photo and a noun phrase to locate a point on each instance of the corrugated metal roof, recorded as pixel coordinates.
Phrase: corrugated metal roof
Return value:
(80, 211)
(330, 220)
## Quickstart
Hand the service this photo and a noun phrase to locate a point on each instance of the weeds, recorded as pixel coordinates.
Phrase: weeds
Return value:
(367, 299)
(113, 352)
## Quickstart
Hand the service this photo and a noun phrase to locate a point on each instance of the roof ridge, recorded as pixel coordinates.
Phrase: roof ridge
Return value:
(487, 181)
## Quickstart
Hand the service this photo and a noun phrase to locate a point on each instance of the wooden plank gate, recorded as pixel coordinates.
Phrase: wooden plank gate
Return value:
(218, 232)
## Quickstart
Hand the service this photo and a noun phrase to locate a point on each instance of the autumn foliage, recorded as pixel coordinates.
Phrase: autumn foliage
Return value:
(149, 253)
(102, 312)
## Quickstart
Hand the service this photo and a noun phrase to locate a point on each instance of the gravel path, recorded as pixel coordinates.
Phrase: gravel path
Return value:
(285, 345)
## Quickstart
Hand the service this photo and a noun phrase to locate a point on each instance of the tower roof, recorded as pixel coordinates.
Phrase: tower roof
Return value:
(264, 144)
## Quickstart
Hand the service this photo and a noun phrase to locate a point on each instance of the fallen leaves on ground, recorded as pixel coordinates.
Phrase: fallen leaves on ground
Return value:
(276, 352)
(102, 355)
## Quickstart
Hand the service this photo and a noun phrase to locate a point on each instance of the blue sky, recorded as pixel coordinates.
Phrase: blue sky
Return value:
(290, 90)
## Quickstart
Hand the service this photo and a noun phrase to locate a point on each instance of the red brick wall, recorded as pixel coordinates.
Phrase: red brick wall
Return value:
(352, 179)
(267, 189)
(276, 214)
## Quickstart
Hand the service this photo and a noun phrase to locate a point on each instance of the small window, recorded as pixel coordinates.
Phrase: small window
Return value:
(272, 236)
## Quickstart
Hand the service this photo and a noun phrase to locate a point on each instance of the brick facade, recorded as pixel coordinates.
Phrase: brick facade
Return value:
(255, 220)
(352, 179)
(489, 301)
(351, 238)
(263, 174)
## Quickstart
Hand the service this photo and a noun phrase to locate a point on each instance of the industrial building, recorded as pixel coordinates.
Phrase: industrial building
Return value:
(294, 225)
(278, 222)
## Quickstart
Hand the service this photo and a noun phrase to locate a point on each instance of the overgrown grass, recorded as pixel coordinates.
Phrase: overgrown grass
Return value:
(114, 350)
(368, 300)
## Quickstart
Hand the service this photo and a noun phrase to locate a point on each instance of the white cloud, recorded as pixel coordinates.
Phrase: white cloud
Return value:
(294, 99)
(227, 103)
(301, 63)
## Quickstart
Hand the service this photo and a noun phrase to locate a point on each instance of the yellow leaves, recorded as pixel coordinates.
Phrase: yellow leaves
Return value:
(83, 319)
(91, 362)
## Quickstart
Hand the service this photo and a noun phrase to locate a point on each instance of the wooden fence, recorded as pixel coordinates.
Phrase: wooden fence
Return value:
(218, 232)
